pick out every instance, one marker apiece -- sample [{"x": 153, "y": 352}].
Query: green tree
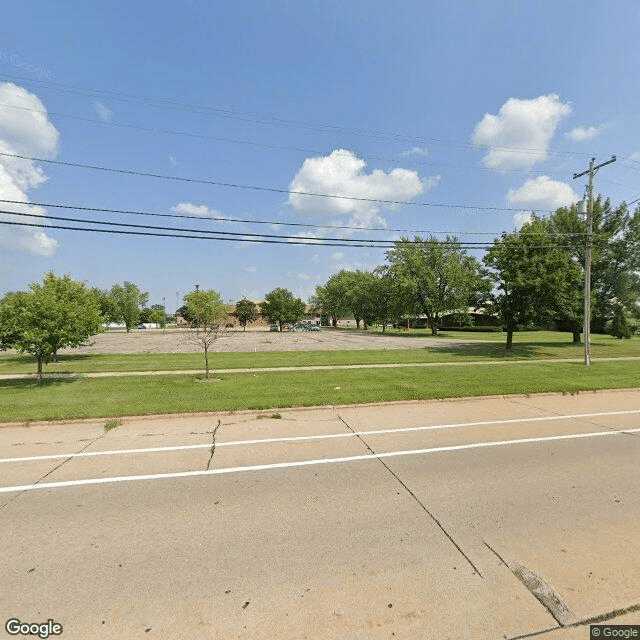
[
  {"x": 158, "y": 315},
  {"x": 127, "y": 301},
  {"x": 535, "y": 278},
  {"x": 246, "y": 312},
  {"x": 615, "y": 257},
  {"x": 281, "y": 306},
  {"x": 390, "y": 299},
  {"x": 208, "y": 311},
  {"x": 183, "y": 312},
  {"x": 144, "y": 315},
  {"x": 330, "y": 298},
  {"x": 619, "y": 324},
  {"x": 436, "y": 277},
  {"x": 361, "y": 295},
  {"x": 56, "y": 314}
]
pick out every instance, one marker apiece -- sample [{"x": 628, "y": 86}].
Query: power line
[
  {"x": 244, "y": 237},
  {"x": 253, "y": 143},
  {"x": 227, "y": 235},
  {"x": 267, "y": 189},
  {"x": 320, "y": 242},
  {"x": 269, "y": 222},
  {"x": 274, "y": 120}
]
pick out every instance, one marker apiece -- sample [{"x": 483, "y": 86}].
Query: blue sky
[{"x": 483, "y": 104}]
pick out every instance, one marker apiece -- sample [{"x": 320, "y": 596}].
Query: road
[{"x": 509, "y": 517}]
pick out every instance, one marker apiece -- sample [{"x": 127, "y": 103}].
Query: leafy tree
[
  {"x": 105, "y": 302},
  {"x": 158, "y": 315},
  {"x": 619, "y": 325},
  {"x": 246, "y": 312},
  {"x": 361, "y": 295},
  {"x": 183, "y": 312},
  {"x": 127, "y": 302},
  {"x": 437, "y": 277},
  {"x": 390, "y": 300},
  {"x": 534, "y": 276},
  {"x": 330, "y": 299},
  {"x": 208, "y": 311},
  {"x": 144, "y": 315},
  {"x": 615, "y": 258},
  {"x": 281, "y": 306},
  {"x": 56, "y": 314}
]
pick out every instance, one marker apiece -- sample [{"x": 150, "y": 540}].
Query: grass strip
[
  {"x": 59, "y": 399},
  {"x": 528, "y": 345}
]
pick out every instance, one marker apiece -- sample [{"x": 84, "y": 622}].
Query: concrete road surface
[{"x": 512, "y": 517}]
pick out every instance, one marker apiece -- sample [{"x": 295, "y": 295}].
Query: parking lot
[{"x": 173, "y": 341}]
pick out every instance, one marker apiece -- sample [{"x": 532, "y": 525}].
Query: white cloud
[
  {"x": 577, "y": 134},
  {"x": 542, "y": 193},
  {"x": 526, "y": 127},
  {"x": 337, "y": 256},
  {"x": 342, "y": 173},
  {"x": 250, "y": 269},
  {"x": 635, "y": 156},
  {"x": 520, "y": 219},
  {"x": 103, "y": 112},
  {"x": 173, "y": 161},
  {"x": 415, "y": 151},
  {"x": 26, "y": 131},
  {"x": 200, "y": 210}
]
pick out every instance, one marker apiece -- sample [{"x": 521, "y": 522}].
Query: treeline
[{"x": 533, "y": 276}]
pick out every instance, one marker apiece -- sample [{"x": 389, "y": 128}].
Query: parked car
[
  {"x": 314, "y": 327},
  {"x": 140, "y": 326},
  {"x": 274, "y": 327}
]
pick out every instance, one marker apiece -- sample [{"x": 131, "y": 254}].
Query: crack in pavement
[
  {"x": 603, "y": 617},
  {"x": 102, "y": 435},
  {"x": 213, "y": 444},
  {"x": 545, "y": 595},
  {"x": 539, "y": 589},
  {"x": 413, "y": 495}
]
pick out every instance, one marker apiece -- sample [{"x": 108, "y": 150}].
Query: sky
[{"x": 428, "y": 117}]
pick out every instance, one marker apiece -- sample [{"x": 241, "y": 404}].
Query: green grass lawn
[
  {"x": 59, "y": 399},
  {"x": 485, "y": 346},
  {"x": 79, "y": 397}
]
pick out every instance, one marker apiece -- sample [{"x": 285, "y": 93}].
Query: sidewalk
[{"x": 108, "y": 374}]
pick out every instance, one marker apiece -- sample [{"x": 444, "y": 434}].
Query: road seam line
[
  {"x": 305, "y": 463},
  {"x": 327, "y": 436},
  {"x": 413, "y": 495}
]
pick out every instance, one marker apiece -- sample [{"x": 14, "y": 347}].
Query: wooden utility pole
[{"x": 587, "y": 256}]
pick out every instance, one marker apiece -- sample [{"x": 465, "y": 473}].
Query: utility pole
[{"x": 587, "y": 256}]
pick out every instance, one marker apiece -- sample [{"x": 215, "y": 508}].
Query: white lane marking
[
  {"x": 306, "y": 463},
  {"x": 328, "y": 436}
]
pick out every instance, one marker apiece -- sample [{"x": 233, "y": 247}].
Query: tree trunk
[
  {"x": 509, "y": 340},
  {"x": 206, "y": 361},
  {"x": 434, "y": 329},
  {"x": 576, "y": 337},
  {"x": 40, "y": 359}
]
